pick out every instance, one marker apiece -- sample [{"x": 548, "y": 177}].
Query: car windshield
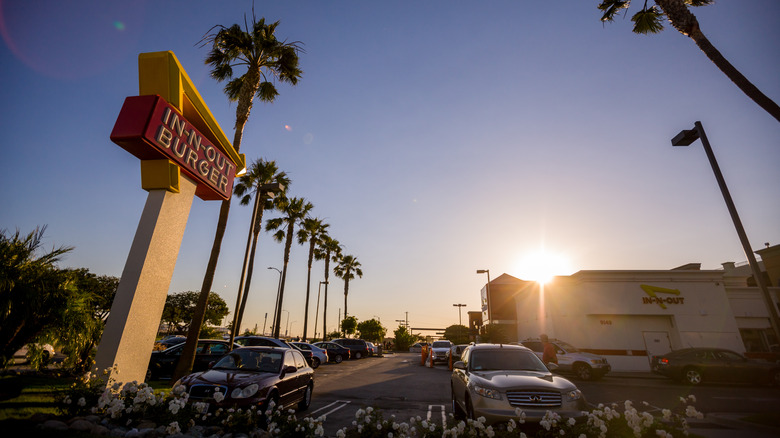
[
  {"x": 510, "y": 360},
  {"x": 251, "y": 360},
  {"x": 568, "y": 347},
  {"x": 441, "y": 344}
]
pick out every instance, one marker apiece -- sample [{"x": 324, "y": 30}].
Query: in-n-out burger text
[
  {"x": 191, "y": 151},
  {"x": 663, "y": 300},
  {"x": 152, "y": 129}
]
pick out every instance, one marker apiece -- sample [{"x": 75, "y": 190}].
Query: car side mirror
[
  {"x": 289, "y": 369},
  {"x": 552, "y": 366},
  {"x": 211, "y": 364},
  {"x": 459, "y": 365}
]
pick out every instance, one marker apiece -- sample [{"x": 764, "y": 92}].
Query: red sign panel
[{"x": 151, "y": 129}]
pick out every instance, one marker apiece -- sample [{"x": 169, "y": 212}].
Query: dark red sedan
[
  {"x": 254, "y": 376},
  {"x": 696, "y": 365}
]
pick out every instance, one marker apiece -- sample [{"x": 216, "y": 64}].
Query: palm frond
[
  {"x": 697, "y": 3},
  {"x": 648, "y": 21},
  {"x": 612, "y": 7}
]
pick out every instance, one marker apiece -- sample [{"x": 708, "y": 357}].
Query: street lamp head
[
  {"x": 685, "y": 137},
  {"x": 482, "y": 271}
]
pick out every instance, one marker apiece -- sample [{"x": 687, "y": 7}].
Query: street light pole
[
  {"x": 460, "y": 318},
  {"x": 278, "y": 288},
  {"x": 685, "y": 138},
  {"x": 489, "y": 312}
]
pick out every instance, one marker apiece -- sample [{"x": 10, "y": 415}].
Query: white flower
[
  {"x": 692, "y": 398},
  {"x": 173, "y": 428},
  {"x": 571, "y": 421},
  {"x": 218, "y": 397}
]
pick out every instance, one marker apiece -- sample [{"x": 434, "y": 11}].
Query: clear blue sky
[{"x": 436, "y": 138}]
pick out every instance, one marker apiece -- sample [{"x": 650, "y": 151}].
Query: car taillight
[{"x": 663, "y": 361}]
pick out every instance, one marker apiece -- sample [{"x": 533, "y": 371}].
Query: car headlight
[
  {"x": 573, "y": 395},
  {"x": 487, "y": 392},
  {"x": 246, "y": 392}
]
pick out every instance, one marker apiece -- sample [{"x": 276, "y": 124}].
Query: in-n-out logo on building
[{"x": 662, "y": 301}]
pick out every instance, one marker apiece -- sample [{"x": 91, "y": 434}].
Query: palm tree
[
  {"x": 650, "y": 20},
  {"x": 294, "y": 210},
  {"x": 348, "y": 266},
  {"x": 329, "y": 249},
  {"x": 267, "y": 60},
  {"x": 312, "y": 230},
  {"x": 254, "y": 183}
]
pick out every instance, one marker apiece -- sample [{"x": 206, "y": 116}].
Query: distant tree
[
  {"x": 650, "y": 20},
  {"x": 328, "y": 250},
  {"x": 403, "y": 339},
  {"x": 267, "y": 60},
  {"x": 349, "y": 325},
  {"x": 294, "y": 211},
  {"x": 334, "y": 335},
  {"x": 372, "y": 331},
  {"x": 347, "y": 268},
  {"x": 33, "y": 291},
  {"x": 494, "y": 334},
  {"x": 458, "y": 334},
  {"x": 180, "y": 307}
]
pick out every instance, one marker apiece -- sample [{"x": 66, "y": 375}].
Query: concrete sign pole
[{"x": 142, "y": 290}]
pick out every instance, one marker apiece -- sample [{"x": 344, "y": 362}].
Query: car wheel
[
  {"x": 315, "y": 363},
  {"x": 149, "y": 374},
  {"x": 358, "y": 355},
  {"x": 306, "y": 402},
  {"x": 457, "y": 411},
  {"x": 583, "y": 371},
  {"x": 692, "y": 376},
  {"x": 338, "y": 358},
  {"x": 469, "y": 409},
  {"x": 273, "y": 398}
]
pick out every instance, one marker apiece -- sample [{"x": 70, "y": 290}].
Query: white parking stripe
[
  {"x": 340, "y": 403},
  {"x": 443, "y": 414}
]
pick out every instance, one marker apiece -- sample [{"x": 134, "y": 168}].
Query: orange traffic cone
[{"x": 423, "y": 355}]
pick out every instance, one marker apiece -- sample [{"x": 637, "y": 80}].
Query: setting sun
[{"x": 542, "y": 266}]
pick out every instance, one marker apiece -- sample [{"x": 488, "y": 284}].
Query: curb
[{"x": 733, "y": 421}]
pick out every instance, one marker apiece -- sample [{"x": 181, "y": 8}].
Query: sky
[{"x": 436, "y": 138}]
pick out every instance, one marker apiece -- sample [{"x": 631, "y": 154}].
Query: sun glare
[{"x": 542, "y": 266}]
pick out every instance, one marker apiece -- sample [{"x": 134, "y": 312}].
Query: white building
[{"x": 628, "y": 316}]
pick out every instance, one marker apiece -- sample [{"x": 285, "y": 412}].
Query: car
[
  {"x": 696, "y": 365},
  {"x": 457, "y": 350},
  {"x": 373, "y": 350},
  {"x": 254, "y": 376},
  {"x": 336, "y": 353},
  {"x": 162, "y": 364},
  {"x": 261, "y": 341},
  {"x": 417, "y": 348},
  {"x": 169, "y": 341},
  {"x": 358, "y": 348},
  {"x": 318, "y": 355},
  {"x": 22, "y": 355},
  {"x": 441, "y": 350},
  {"x": 495, "y": 380},
  {"x": 586, "y": 366}
]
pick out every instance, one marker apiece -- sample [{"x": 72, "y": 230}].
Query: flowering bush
[{"x": 132, "y": 404}]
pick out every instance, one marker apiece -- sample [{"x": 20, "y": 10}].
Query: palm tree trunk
[
  {"x": 251, "y": 267},
  {"x": 308, "y": 286},
  {"x": 686, "y": 23},
  {"x": 346, "y": 291},
  {"x": 325, "y": 302},
  {"x": 287, "y": 246}
]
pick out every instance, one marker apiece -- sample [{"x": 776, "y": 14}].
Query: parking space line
[
  {"x": 340, "y": 403},
  {"x": 443, "y": 414}
]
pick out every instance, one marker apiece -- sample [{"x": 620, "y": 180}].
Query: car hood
[
  {"x": 587, "y": 355},
  {"x": 229, "y": 378},
  {"x": 525, "y": 379}
]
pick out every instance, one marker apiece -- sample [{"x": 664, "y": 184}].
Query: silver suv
[
  {"x": 586, "y": 366},
  {"x": 441, "y": 350}
]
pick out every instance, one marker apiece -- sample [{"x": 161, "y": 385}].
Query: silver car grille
[
  {"x": 533, "y": 399},
  {"x": 206, "y": 391}
]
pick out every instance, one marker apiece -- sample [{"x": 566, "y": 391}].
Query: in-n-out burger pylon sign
[{"x": 183, "y": 153}]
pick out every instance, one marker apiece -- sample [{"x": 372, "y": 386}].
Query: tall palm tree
[
  {"x": 295, "y": 211},
  {"x": 251, "y": 184},
  {"x": 329, "y": 249},
  {"x": 267, "y": 60},
  {"x": 347, "y": 267},
  {"x": 650, "y": 20},
  {"x": 312, "y": 230}
]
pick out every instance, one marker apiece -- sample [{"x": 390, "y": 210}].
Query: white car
[
  {"x": 441, "y": 350},
  {"x": 21, "y": 355},
  {"x": 586, "y": 366}
]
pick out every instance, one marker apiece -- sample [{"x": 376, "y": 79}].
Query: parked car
[
  {"x": 318, "y": 355},
  {"x": 417, "y": 348},
  {"x": 255, "y": 376},
  {"x": 169, "y": 341},
  {"x": 163, "y": 363},
  {"x": 261, "y": 341},
  {"x": 336, "y": 352},
  {"x": 441, "y": 350},
  {"x": 358, "y": 348},
  {"x": 492, "y": 380},
  {"x": 373, "y": 350},
  {"x": 457, "y": 350},
  {"x": 696, "y": 365},
  {"x": 47, "y": 353},
  {"x": 586, "y": 366}
]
